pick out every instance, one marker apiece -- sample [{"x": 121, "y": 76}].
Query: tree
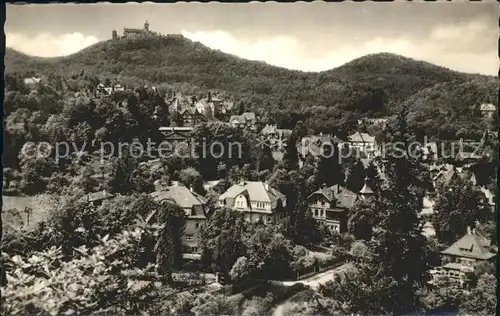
[
  {"x": 482, "y": 300},
  {"x": 168, "y": 246},
  {"x": 191, "y": 178},
  {"x": 328, "y": 167},
  {"x": 291, "y": 156},
  {"x": 222, "y": 239},
  {"x": 390, "y": 281},
  {"x": 363, "y": 218},
  {"x": 457, "y": 206},
  {"x": 355, "y": 176}
]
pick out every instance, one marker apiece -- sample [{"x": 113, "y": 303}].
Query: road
[
  {"x": 320, "y": 278},
  {"x": 314, "y": 282}
]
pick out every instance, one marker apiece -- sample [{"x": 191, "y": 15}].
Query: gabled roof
[
  {"x": 471, "y": 245},
  {"x": 127, "y": 30},
  {"x": 361, "y": 138},
  {"x": 180, "y": 195},
  {"x": 487, "y": 107},
  {"x": 256, "y": 191},
  {"x": 243, "y": 118},
  {"x": 98, "y": 196},
  {"x": 344, "y": 198}
]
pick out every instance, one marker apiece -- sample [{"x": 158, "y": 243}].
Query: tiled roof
[
  {"x": 255, "y": 190},
  {"x": 126, "y": 30},
  {"x": 344, "y": 197},
  {"x": 98, "y": 196},
  {"x": 180, "y": 195},
  {"x": 487, "y": 107},
  {"x": 243, "y": 118},
  {"x": 471, "y": 245},
  {"x": 361, "y": 138}
]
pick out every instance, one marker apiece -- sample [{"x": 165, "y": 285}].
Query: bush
[{"x": 95, "y": 280}]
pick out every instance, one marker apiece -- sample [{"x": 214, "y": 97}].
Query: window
[
  {"x": 189, "y": 237},
  {"x": 269, "y": 218},
  {"x": 321, "y": 213},
  {"x": 197, "y": 225},
  {"x": 316, "y": 213}
]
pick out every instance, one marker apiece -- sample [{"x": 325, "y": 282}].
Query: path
[{"x": 314, "y": 282}]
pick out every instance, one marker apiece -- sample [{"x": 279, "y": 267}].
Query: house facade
[
  {"x": 331, "y": 206},
  {"x": 460, "y": 260},
  {"x": 258, "y": 201},
  {"x": 487, "y": 110},
  {"x": 363, "y": 142},
  {"x": 245, "y": 120},
  {"x": 193, "y": 204},
  {"x": 191, "y": 116}
]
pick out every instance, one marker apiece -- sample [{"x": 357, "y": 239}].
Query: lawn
[{"x": 39, "y": 204}]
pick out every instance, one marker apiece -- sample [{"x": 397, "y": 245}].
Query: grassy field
[{"x": 39, "y": 204}]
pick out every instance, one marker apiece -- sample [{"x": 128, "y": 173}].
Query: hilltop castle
[
  {"x": 134, "y": 33},
  {"x": 137, "y": 33}
]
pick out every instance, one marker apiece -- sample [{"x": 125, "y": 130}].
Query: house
[
  {"x": 191, "y": 116},
  {"x": 193, "y": 204},
  {"x": 257, "y": 200},
  {"x": 320, "y": 145},
  {"x": 487, "y": 110},
  {"x": 31, "y": 81},
  {"x": 175, "y": 134},
  {"x": 461, "y": 258},
  {"x": 275, "y": 136},
  {"x": 245, "y": 120},
  {"x": 445, "y": 175},
  {"x": 382, "y": 122},
  {"x": 96, "y": 198},
  {"x": 331, "y": 205},
  {"x": 363, "y": 142},
  {"x": 106, "y": 89},
  {"x": 430, "y": 151}
]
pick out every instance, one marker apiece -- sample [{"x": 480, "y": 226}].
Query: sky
[{"x": 306, "y": 36}]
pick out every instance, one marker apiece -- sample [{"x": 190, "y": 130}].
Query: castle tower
[
  {"x": 114, "y": 34},
  {"x": 146, "y": 26}
]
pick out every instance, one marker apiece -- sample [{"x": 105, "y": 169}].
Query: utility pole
[{"x": 28, "y": 211}]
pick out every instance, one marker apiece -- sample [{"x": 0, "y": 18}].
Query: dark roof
[
  {"x": 471, "y": 245},
  {"x": 343, "y": 197},
  {"x": 181, "y": 196},
  {"x": 99, "y": 196}
]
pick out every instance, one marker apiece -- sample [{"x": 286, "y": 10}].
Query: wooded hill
[{"x": 373, "y": 85}]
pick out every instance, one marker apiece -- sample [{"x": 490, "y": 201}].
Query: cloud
[
  {"x": 46, "y": 45},
  {"x": 445, "y": 46}
]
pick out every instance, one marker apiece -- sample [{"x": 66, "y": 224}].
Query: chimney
[
  {"x": 209, "y": 97},
  {"x": 104, "y": 192},
  {"x": 469, "y": 232},
  {"x": 473, "y": 231},
  {"x": 266, "y": 186},
  {"x": 191, "y": 189}
]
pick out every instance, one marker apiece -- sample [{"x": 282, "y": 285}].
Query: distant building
[
  {"x": 445, "y": 175},
  {"x": 191, "y": 116},
  {"x": 194, "y": 205},
  {"x": 105, "y": 90},
  {"x": 258, "y": 201},
  {"x": 331, "y": 205},
  {"x": 363, "y": 142},
  {"x": 320, "y": 145},
  {"x": 275, "y": 135},
  {"x": 461, "y": 258},
  {"x": 96, "y": 198},
  {"x": 487, "y": 109},
  {"x": 31, "y": 81},
  {"x": 175, "y": 134},
  {"x": 245, "y": 120}
]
